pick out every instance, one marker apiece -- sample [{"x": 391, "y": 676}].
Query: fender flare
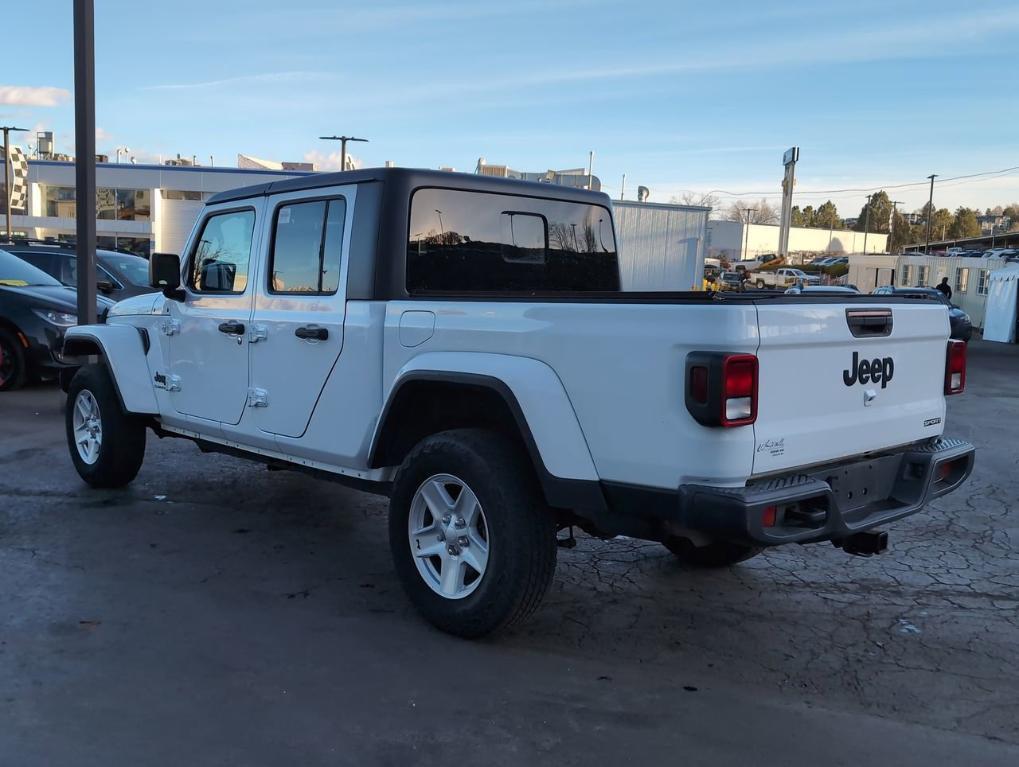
[
  {"x": 540, "y": 405},
  {"x": 123, "y": 349}
]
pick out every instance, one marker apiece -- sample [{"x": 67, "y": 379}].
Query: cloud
[
  {"x": 28, "y": 96},
  {"x": 103, "y": 135},
  {"x": 938, "y": 36},
  {"x": 267, "y": 78},
  {"x": 330, "y": 161}
]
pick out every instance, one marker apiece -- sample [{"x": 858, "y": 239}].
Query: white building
[
  {"x": 969, "y": 277},
  {"x": 152, "y": 208},
  {"x": 140, "y": 208},
  {"x": 737, "y": 241}
]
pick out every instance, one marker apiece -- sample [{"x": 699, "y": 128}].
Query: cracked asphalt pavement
[{"x": 216, "y": 613}]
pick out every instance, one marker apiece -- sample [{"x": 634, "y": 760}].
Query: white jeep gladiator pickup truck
[{"x": 461, "y": 344}]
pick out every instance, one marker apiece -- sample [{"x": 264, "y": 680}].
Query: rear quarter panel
[{"x": 622, "y": 367}]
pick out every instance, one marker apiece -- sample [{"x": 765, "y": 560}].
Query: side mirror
[
  {"x": 164, "y": 274},
  {"x": 105, "y": 286}
]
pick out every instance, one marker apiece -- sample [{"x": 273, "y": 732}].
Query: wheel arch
[
  {"x": 523, "y": 399},
  {"x": 122, "y": 349}
]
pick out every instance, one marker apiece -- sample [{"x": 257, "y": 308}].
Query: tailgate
[{"x": 818, "y": 399}]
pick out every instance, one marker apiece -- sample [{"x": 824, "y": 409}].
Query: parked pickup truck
[
  {"x": 460, "y": 343},
  {"x": 783, "y": 278}
]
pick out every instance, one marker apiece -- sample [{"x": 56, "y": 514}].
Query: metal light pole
[
  {"x": 7, "y": 173},
  {"x": 930, "y": 213},
  {"x": 85, "y": 157},
  {"x": 441, "y": 228},
  {"x": 343, "y": 146},
  {"x": 590, "y": 170},
  {"x": 121, "y": 150}
]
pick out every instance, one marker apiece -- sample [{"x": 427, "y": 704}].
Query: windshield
[
  {"x": 134, "y": 269},
  {"x": 15, "y": 273}
]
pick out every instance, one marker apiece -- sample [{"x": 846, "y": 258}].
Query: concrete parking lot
[{"x": 216, "y": 613}]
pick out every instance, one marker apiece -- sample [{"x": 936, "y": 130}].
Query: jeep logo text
[{"x": 878, "y": 370}]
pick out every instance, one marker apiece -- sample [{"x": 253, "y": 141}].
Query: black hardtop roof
[{"x": 411, "y": 178}]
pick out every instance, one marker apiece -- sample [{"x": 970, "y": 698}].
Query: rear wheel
[
  {"x": 715, "y": 554},
  {"x": 13, "y": 365},
  {"x": 472, "y": 541},
  {"x": 107, "y": 445}
]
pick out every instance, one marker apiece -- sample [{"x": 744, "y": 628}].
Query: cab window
[
  {"x": 219, "y": 262},
  {"x": 307, "y": 241}
]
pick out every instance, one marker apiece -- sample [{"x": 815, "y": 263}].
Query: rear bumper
[{"x": 830, "y": 502}]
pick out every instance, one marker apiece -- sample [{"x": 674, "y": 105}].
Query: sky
[{"x": 678, "y": 96}]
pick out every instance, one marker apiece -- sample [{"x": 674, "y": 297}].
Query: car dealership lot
[{"x": 218, "y": 613}]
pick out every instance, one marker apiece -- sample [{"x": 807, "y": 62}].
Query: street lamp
[
  {"x": 7, "y": 173},
  {"x": 343, "y": 146},
  {"x": 121, "y": 150},
  {"x": 442, "y": 230}
]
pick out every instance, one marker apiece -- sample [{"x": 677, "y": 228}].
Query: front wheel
[
  {"x": 107, "y": 445},
  {"x": 715, "y": 554},
  {"x": 472, "y": 540},
  {"x": 760, "y": 284},
  {"x": 13, "y": 367}
]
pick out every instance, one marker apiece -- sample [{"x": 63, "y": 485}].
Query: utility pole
[
  {"x": 866, "y": 223},
  {"x": 891, "y": 224},
  {"x": 343, "y": 146},
  {"x": 930, "y": 213},
  {"x": 590, "y": 171},
  {"x": 748, "y": 211},
  {"x": 7, "y": 173},
  {"x": 85, "y": 157},
  {"x": 622, "y": 188}
]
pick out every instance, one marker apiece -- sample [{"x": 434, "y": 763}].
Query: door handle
[
  {"x": 232, "y": 328},
  {"x": 312, "y": 333}
]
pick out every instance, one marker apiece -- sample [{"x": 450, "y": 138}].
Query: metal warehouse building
[{"x": 661, "y": 247}]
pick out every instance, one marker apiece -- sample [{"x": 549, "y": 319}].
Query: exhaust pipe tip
[{"x": 865, "y": 544}]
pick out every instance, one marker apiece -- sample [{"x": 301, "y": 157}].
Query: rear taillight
[
  {"x": 955, "y": 367},
  {"x": 721, "y": 389},
  {"x": 739, "y": 387}
]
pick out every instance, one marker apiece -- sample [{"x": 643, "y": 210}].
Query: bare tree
[
  {"x": 761, "y": 212},
  {"x": 706, "y": 200}
]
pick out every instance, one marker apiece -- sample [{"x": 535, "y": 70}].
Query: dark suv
[
  {"x": 962, "y": 327},
  {"x": 35, "y": 310},
  {"x": 118, "y": 275}
]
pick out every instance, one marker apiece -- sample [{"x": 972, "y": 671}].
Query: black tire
[
  {"x": 715, "y": 554},
  {"x": 522, "y": 531},
  {"x": 122, "y": 448},
  {"x": 760, "y": 284},
  {"x": 13, "y": 365}
]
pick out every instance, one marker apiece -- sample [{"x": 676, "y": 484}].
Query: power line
[{"x": 858, "y": 190}]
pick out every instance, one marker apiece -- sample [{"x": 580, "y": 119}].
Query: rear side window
[
  {"x": 476, "y": 242},
  {"x": 306, "y": 245},
  {"x": 220, "y": 260}
]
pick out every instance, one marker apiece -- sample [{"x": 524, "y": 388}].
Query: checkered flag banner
[{"x": 19, "y": 175}]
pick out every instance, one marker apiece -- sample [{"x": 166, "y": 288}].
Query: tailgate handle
[{"x": 869, "y": 323}]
